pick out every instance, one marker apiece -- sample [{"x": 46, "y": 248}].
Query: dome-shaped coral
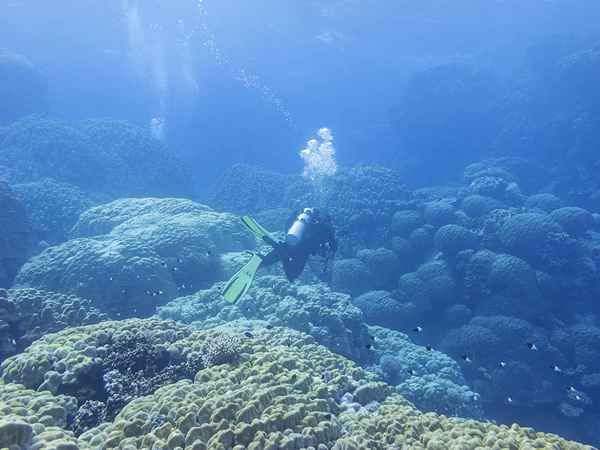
[
  {"x": 544, "y": 202},
  {"x": 525, "y": 234},
  {"x": 383, "y": 264},
  {"x": 513, "y": 277},
  {"x": 403, "y": 222},
  {"x": 451, "y": 239},
  {"x": 575, "y": 221},
  {"x": 351, "y": 276},
  {"x": 439, "y": 213},
  {"x": 478, "y": 205},
  {"x": 380, "y": 308}
]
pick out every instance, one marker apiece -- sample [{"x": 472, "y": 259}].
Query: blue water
[{"x": 464, "y": 186}]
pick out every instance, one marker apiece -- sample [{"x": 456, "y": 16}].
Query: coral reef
[
  {"x": 451, "y": 239},
  {"x": 16, "y": 239},
  {"x": 283, "y": 392},
  {"x": 118, "y": 362},
  {"x": 328, "y": 316},
  {"x": 383, "y": 264},
  {"x": 153, "y": 251},
  {"x": 28, "y": 314},
  {"x": 102, "y": 157},
  {"x": 361, "y": 201},
  {"x": 351, "y": 276},
  {"x": 380, "y": 308},
  {"x": 135, "y": 163},
  {"x": 53, "y": 207},
  {"x": 544, "y": 201},
  {"x": 431, "y": 380},
  {"x": 30, "y": 419},
  {"x": 249, "y": 190},
  {"x": 104, "y": 218}
]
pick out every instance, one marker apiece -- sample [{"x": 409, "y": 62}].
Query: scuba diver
[{"x": 310, "y": 232}]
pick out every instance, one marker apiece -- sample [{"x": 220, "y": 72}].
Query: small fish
[
  {"x": 179, "y": 260},
  {"x": 412, "y": 372},
  {"x": 269, "y": 327},
  {"x": 160, "y": 292},
  {"x": 248, "y": 334},
  {"x": 578, "y": 397},
  {"x": 572, "y": 389},
  {"x": 417, "y": 329},
  {"x": 208, "y": 253},
  {"x": 368, "y": 346},
  {"x": 174, "y": 269},
  {"x": 164, "y": 264},
  {"x": 428, "y": 348},
  {"x": 555, "y": 368},
  {"x": 531, "y": 346},
  {"x": 466, "y": 358},
  {"x": 111, "y": 278},
  {"x": 372, "y": 338},
  {"x": 13, "y": 342},
  {"x": 509, "y": 399},
  {"x": 502, "y": 364}
]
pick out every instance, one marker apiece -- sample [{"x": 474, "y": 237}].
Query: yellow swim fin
[
  {"x": 239, "y": 284},
  {"x": 259, "y": 231}
]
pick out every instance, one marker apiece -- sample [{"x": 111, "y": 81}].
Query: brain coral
[
  {"x": 146, "y": 258},
  {"x": 284, "y": 392}
]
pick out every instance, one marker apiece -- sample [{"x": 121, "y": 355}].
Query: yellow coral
[{"x": 281, "y": 393}]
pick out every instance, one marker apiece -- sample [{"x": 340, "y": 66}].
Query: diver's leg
[
  {"x": 270, "y": 258},
  {"x": 293, "y": 265}
]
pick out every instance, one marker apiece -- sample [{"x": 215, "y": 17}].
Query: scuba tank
[{"x": 298, "y": 230}]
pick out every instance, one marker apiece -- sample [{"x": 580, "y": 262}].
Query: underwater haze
[{"x": 299, "y": 224}]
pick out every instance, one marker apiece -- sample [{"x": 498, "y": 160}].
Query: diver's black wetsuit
[{"x": 319, "y": 240}]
